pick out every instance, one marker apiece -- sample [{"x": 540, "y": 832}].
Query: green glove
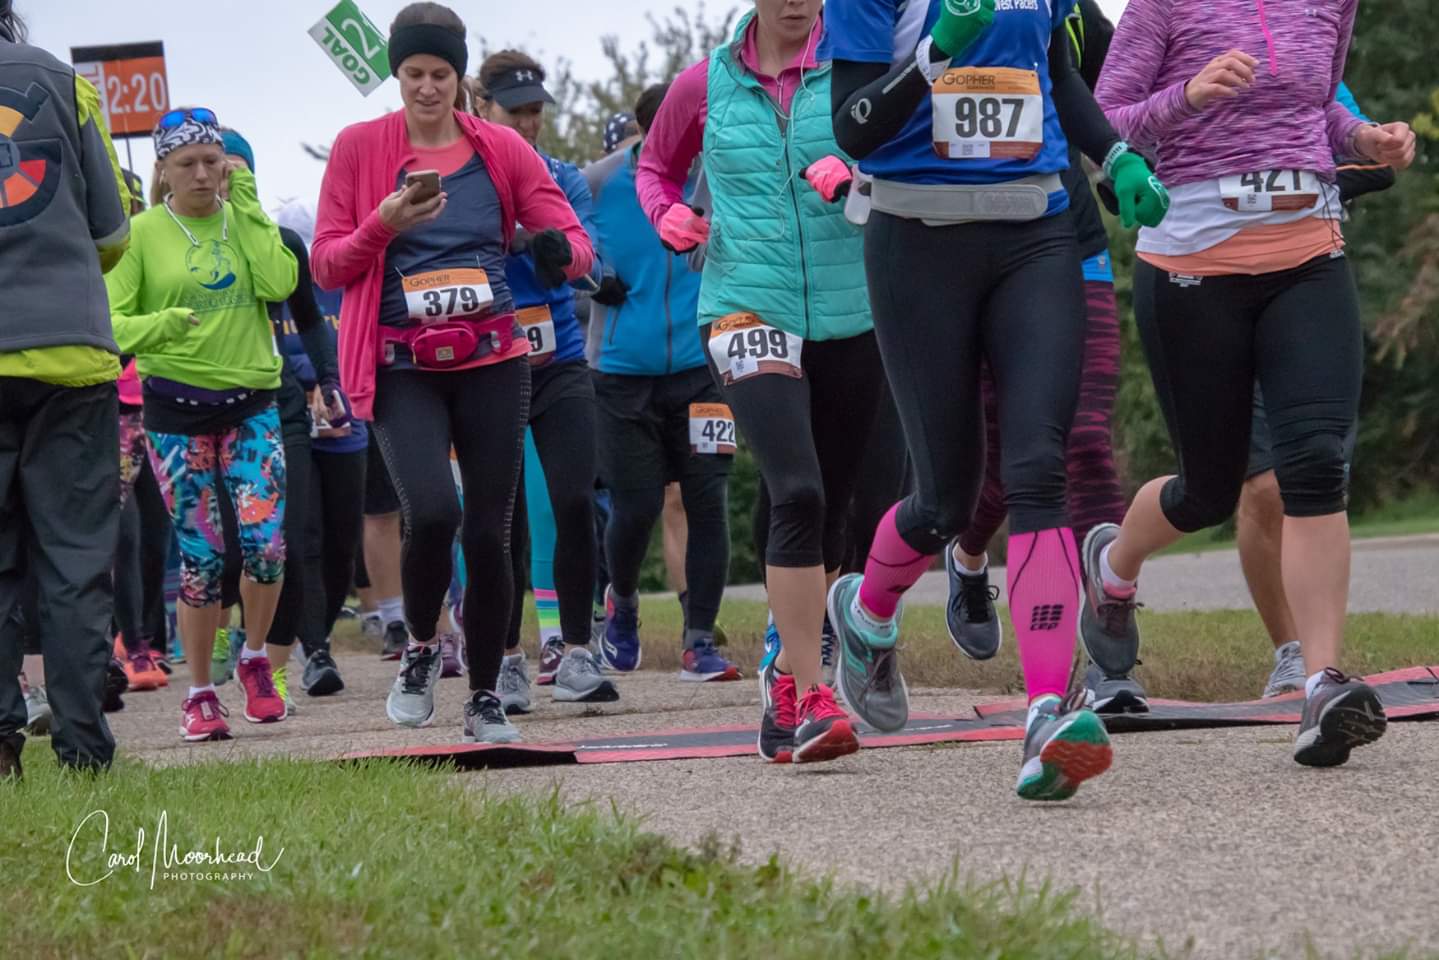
[
  {"x": 960, "y": 22},
  {"x": 1142, "y": 198}
]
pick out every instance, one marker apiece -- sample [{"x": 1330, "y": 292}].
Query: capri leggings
[
  {"x": 249, "y": 460},
  {"x": 482, "y": 414},
  {"x": 1207, "y": 340},
  {"x": 1095, "y": 493},
  {"x": 809, "y": 437}
]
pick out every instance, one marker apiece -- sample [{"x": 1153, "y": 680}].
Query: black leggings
[
  {"x": 944, "y": 298},
  {"x": 1207, "y": 340},
  {"x": 884, "y": 478},
  {"x": 337, "y": 497},
  {"x": 140, "y": 564},
  {"x": 482, "y": 412},
  {"x": 632, "y": 522},
  {"x": 302, "y": 574},
  {"x": 808, "y": 436}
]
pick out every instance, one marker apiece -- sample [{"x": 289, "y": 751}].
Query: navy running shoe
[{"x": 620, "y": 648}]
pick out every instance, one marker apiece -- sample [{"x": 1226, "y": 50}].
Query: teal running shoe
[{"x": 867, "y": 674}]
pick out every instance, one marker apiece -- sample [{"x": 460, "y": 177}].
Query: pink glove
[
  {"x": 683, "y": 228},
  {"x": 830, "y": 177}
]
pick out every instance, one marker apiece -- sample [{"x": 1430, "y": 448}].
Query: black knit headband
[{"x": 437, "y": 41}]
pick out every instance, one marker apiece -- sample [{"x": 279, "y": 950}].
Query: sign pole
[{"x": 129, "y": 158}]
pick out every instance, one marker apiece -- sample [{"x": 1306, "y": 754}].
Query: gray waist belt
[{"x": 942, "y": 204}]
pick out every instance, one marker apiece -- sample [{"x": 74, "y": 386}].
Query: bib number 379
[
  {"x": 983, "y": 113},
  {"x": 743, "y": 346},
  {"x": 447, "y": 294}
]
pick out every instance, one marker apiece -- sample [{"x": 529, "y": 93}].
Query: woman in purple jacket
[{"x": 1246, "y": 279}]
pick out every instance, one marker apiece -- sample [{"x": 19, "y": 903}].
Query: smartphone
[{"x": 429, "y": 181}]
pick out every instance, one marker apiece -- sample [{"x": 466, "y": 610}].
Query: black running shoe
[
  {"x": 115, "y": 684},
  {"x": 321, "y": 677},
  {"x": 970, "y": 615},
  {"x": 1341, "y": 714}
]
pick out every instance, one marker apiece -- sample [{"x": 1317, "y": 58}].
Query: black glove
[
  {"x": 551, "y": 252},
  {"x": 613, "y": 292}
]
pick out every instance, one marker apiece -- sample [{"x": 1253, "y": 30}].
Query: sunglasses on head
[{"x": 175, "y": 118}]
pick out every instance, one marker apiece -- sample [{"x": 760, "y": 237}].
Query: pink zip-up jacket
[
  {"x": 350, "y": 239},
  {"x": 1288, "y": 119}
]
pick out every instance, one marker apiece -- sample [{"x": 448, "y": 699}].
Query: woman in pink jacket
[{"x": 429, "y": 347}]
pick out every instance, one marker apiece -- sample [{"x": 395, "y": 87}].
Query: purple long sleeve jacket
[{"x": 1288, "y": 119}]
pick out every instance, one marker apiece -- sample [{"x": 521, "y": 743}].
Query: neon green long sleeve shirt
[{"x": 238, "y": 262}]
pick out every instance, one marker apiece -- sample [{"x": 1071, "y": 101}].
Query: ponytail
[{"x": 12, "y": 28}]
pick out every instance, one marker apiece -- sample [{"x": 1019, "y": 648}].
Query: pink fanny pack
[{"x": 452, "y": 343}]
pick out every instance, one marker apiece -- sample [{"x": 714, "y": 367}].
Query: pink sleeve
[
  {"x": 347, "y": 242},
  {"x": 1140, "y": 114},
  {"x": 1341, "y": 124},
  {"x": 542, "y": 205},
  {"x": 675, "y": 139}
]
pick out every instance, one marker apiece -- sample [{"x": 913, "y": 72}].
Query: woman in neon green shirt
[{"x": 187, "y": 300}]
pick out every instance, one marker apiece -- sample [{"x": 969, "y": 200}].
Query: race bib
[
  {"x": 446, "y": 294},
  {"x": 982, "y": 113},
  {"x": 539, "y": 327},
  {"x": 711, "y": 428},
  {"x": 1270, "y": 190},
  {"x": 743, "y": 346}
]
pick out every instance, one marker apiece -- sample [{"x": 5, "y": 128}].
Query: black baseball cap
[{"x": 515, "y": 88}]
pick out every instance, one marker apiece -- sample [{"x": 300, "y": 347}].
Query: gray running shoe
[
  {"x": 372, "y": 629},
  {"x": 1288, "y": 674},
  {"x": 397, "y": 638},
  {"x": 828, "y": 652},
  {"x": 1343, "y": 713},
  {"x": 970, "y": 615},
  {"x": 514, "y": 684},
  {"x": 485, "y": 720},
  {"x": 1065, "y": 744},
  {"x": 579, "y": 680},
  {"x": 411, "y": 702},
  {"x": 868, "y": 673},
  {"x": 1106, "y": 624},
  {"x": 37, "y": 712},
  {"x": 1106, "y": 694}
]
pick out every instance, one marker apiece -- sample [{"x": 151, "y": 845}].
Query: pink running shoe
[
  {"x": 202, "y": 717},
  {"x": 263, "y": 703}
]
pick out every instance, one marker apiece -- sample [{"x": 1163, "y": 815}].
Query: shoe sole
[
  {"x": 328, "y": 684},
  {"x": 604, "y": 693},
  {"x": 143, "y": 684},
  {"x": 724, "y": 676},
  {"x": 516, "y": 709},
  {"x": 1078, "y": 751},
  {"x": 781, "y": 756},
  {"x": 1354, "y": 719},
  {"x": 1123, "y": 703},
  {"x": 252, "y": 719},
  {"x": 390, "y": 657},
  {"x": 216, "y": 735},
  {"x": 471, "y": 738},
  {"x": 839, "y": 674},
  {"x": 1113, "y": 669},
  {"x": 838, "y": 741}
]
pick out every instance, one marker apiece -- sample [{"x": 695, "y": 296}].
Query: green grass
[
  {"x": 1219, "y": 656},
  {"x": 385, "y": 859}
]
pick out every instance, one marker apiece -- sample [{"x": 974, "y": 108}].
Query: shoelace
[
  {"x": 210, "y": 700},
  {"x": 141, "y": 662},
  {"x": 511, "y": 677},
  {"x": 414, "y": 675},
  {"x": 976, "y": 594},
  {"x": 264, "y": 684},
  {"x": 1334, "y": 675},
  {"x": 786, "y": 706},
  {"x": 489, "y": 710},
  {"x": 818, "y": 704},
  {"x": 1112, "y": 610},
  {"x": 882, "y": 677}
]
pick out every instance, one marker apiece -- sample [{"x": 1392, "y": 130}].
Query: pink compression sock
[
  {"x": 892, "y": 568},
  {"x": 1043, "y": 579}
]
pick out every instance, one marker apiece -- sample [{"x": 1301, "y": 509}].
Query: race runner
[
  {"x": 510, "y": 93},
  {"x": 963, "y": 116},
  {"x": 430, "y": 347},
  {"x": 188, "y": 301},
  {"x": 1247, "y": 278},
  {"x": 784, "y": 318},
  {"x": 655, "y": 393}
]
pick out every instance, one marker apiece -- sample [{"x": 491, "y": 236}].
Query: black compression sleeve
[
  {"x": 1357, "y": 181},
  {"x": 1085, "y": 125},
  {"x": 308, "y": 321},
  {"x": 872, "y": 103}
]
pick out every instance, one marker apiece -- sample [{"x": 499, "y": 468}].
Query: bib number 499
[{"x": 743, "y": 346}]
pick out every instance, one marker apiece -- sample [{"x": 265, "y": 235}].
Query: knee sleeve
[
  {"x": 1313, "y": 474},
  {"x": 796, "y": 525},
  {"x": 1189, "y": 510}
]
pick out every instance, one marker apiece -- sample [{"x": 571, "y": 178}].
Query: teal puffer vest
[{"x": 776, "y": 249}]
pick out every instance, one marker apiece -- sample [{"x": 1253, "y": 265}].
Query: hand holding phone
[{"x": 418, "y": 202}]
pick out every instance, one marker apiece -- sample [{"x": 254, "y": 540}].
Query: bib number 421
[{"x": 1270, "y": 190}]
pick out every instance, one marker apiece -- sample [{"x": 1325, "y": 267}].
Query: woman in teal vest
[{"x": 785, "y": 315}]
